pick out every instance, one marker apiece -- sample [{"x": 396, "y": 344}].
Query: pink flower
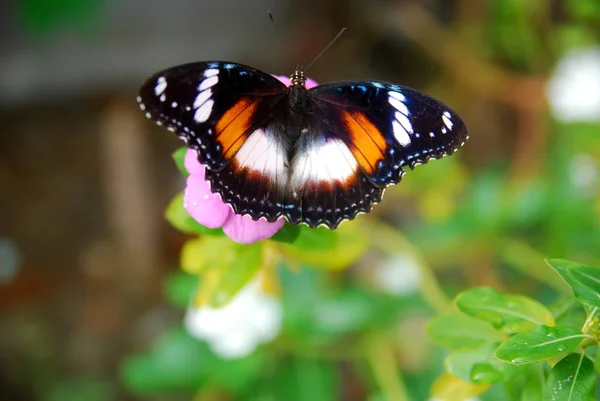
[{"x": 209, "y": 210}]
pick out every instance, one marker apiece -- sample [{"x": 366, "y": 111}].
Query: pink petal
[
  {"x": 244, "y": 230},
  {"x": 205, "y": 207},
  {"x": 192, "y": 165},
  {"x": 310, "y": 83},
  {"x": 286, "y": 81}
]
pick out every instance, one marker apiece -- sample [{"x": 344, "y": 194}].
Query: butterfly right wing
[{"x": 212, "y": 106}]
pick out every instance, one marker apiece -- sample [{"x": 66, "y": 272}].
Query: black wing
[
  {"x": 387, "y": 126},
  {"x": 212, "y": 106}
]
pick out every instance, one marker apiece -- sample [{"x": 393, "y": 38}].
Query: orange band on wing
[
  {"x": 368, "y": 144},
  {"x": 235, "y": 122}
]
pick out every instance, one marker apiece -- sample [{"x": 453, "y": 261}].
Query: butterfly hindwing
[
  {"x": 212, "y": 106},
  {"x": 318, "y": 156},
  {"x": 387, "y": 126}
]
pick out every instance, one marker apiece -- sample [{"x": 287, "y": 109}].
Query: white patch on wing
[
  {"x": 398, "y": 105},
  {"x": 327, "y": 160},
  {"x": 400, "y": 134},
  {"x": 204, "y": 111},
  {"x": 202, "y": 97},
  {"x": 210, "y": 72},
  {"x": 263, "y": 153},
  {"x": 447, "y": 121},
  {"x": 208, "y": 82},
  {"x": 161, "y": 85},
  {"x": 397, "y": 95},
  {"x": 402, "y": 119}
]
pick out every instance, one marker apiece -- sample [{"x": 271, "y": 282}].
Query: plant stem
[
  {"x": 590, "y": 327},
  {"x": 380, "y": 357}
]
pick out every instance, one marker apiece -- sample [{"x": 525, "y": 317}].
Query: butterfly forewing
[
  {"x": 212, "y": 106},
  {"x": 387, "y": 126},
  {"x": 317, "y": 157}
]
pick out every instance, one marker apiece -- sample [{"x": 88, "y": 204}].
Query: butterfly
[{"x": 316, "y": 156}]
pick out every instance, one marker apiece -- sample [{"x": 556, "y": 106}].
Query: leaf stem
[
  {"x": 590, "y": 327},
  {"x": 380, "y": 357}
]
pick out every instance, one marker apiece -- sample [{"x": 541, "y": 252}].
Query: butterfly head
[{"x": 298, "y": 78}]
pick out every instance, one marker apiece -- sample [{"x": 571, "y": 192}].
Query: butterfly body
[{"x": 317, "y": 156}]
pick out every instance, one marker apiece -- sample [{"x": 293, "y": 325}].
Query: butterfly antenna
[
  {"x": 326, "y": 48},
  {"x": 278, "y": 32}
]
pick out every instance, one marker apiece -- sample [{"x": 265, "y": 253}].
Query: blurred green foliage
[{"x": 533, "y": 337}]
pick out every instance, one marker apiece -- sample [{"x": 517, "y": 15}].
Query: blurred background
[{"x": 89, "y": 265}]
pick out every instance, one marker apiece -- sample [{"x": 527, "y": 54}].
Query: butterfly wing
[
  {"x": 212, "y": 106},
  {"x": 387, "y": 127}
]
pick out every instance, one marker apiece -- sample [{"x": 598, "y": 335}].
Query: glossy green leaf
[
  {"x": 181, "y": 219},
  {"x": 583, "y": 280},
  {"x": 479, "y": 366},
  {"x": 511, "y": 313},
  {"x": 539, "y": 344},
  {"x": 571, "y": 379},
  {"x": 460, "y": 332},
  {"x": 179, "y": 159}
]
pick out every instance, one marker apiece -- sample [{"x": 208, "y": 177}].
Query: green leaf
[
  {"x": 179, "y": 288},
  {"x": 221, "y": 283},
  {"x": 583, "y": 280},
  {"x": 199, "y": 254},
  {"x": 225, "y": 266},
  {"x": 539, "y": 344},
  {"x": 479, "y": 366},
  {"x": 330, "y": 249},
  {"x": 511, "y": 313},
  {"x": 177, "y": 362},
  {"x": 181, "y": 219},
  {"x": 179, "y": 159},
  {"x": 460, "y": 332},
  {"x": 316, "y": 238},
  {"x": 571, "y": 379},
  {"x": 305, "y": 379},
  {"x": 287, "y": 234},
  {"x": 42, "y": 17},
  {"x": 533, "y": 386}
]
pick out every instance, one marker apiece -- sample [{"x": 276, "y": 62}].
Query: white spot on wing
[
  {"x": 324, "y": 161},
  {"x": 204, "y": 111},
  {"x": 208, "y": 82},
  {"x": 161, "y": 85},
  {"x": 400, "y": 133},
  {"x": 397, "y": 95},
  {"x": 398, "y": 105},
  {"x": 402, "y": 119},
  {"x": 202, "y": 97},
  {"x": 210, "y": 72},
  {"x": 447, "y": 120}
]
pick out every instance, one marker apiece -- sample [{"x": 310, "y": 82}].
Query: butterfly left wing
[
  {"x": 387, "y": 127},
  {"x": 212, "y": 106}
]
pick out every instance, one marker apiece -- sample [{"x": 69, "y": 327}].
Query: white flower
[
  {"x": 399, "y": 275},
  {"x": 251, "y": 318},
  {"x": 574, "y": 90}
]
